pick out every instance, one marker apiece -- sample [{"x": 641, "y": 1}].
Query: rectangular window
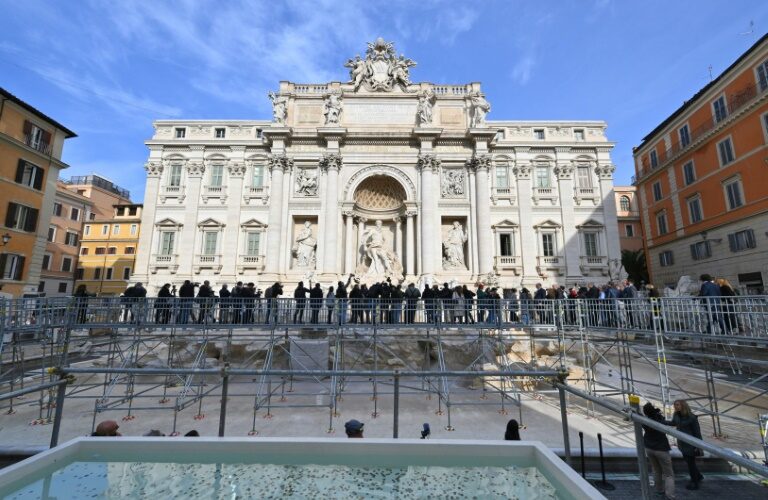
[
  {"x": 542, "y": 177},
  {"x": 84, "y": 251},
  {"x": 209, "y": 242},
  {"x": 629, "y": 230},
  {"x": 259, "y": 133},
  {"x": 74, "y": 213},
  {"x": 134, "y": 229},
  {"x": 181, "y": 133},
  {"x": 130, "y": 250},
  {"x": 21, "y": 217},
  {"x": 666, "y": 258},
  {"x": 11, "y": 266},
  {"x": 35, "y": 137},
  {"x": 87, "y": 230},
  {"x": 590, "y": 244},
  {"x": 505, "y": 244},
  {"x": 538, "y": 134},
  {"x": 221, "y": 133},
  {"x": 548, "y": 244},
  {"x": 70, "y": 239},
  {"x": 126, "y": 273},
  {"x": 57, "y": 209},
  {"x": 51, "y": 234},
  {"x": 97, "y": 273},
  {"x": 120, "y": 211},
  {"x": 685, "y": 136},
  {"x": 502, "y": 177},
  {"x": 258, "y": 176},
  {"x": 654, "y": 159},
  {"x": 109, "y": 273},
  {"x": 116, "y": 229},
  {"x": 174, "y": 175},
  {"x": 661, "y": 222},
  {"x": 719, "y": 109},
  {"x": 584, "y": 177},
  {"x": 701, "y": 250},
  {"x": 217, "y": 175},
  {"x": 742, "y": 240},
  {"x": 105, "y": 230},
  {"x": 733, "y": 194},
  {"x": 694, "y": 209},
  {"x": 762, "y": 76},
  {"x": 689, "y": 173},
  {"x": 133, "y": 211},
  {"x": 101, "y": 250},
  {"x": 79, "y": 273},
  {"x": 657, "y": 194},
  {"x": 29, "y": 175},
  {"x": 578, "y": 134},
  {"x": 66, "y": 264},
  {"x": 725, "y": 150},
  {"x": 112, "y": 251},
  {"x": 47, "y": 262},
  {"x": 62, "y": 287},
  {"x": 252, "y": 241},
  {"x": 166, "y": 242}
]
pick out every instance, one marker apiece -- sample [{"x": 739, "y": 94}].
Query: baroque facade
[{"x": 379, "y": 177}]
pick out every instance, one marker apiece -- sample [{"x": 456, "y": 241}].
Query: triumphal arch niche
[{"x": 382, "y": 177}]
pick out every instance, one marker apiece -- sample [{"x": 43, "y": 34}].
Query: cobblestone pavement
[{"x": 725, "y": 487}]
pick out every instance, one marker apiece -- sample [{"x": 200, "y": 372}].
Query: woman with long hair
[
  {"x": 513, "y": 431},
  {"x": 657, "y": 450},
  {"x": 726, "y": 304},
  {"x": 687, "y": 422}
]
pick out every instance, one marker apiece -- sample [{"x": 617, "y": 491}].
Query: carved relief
[
  {"x": 452, "y": 183},
  {"x": 306, "y": 182}
]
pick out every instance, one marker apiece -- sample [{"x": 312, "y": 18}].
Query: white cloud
[{"x": 523, "y": 69}]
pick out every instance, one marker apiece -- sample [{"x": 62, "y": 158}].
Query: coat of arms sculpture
[{"x": 381, "y": 69}]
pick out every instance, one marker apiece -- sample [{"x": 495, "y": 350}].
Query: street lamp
[{"x": 6, "y": 239}]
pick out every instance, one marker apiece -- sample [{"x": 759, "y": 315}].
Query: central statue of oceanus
[
  {"x": 378, "y": 263},
  {"x": 381, "y": 69}
]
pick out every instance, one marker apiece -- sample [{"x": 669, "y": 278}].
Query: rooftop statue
[{"x": 381, "y": 69}]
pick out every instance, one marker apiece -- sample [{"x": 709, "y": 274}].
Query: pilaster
[{"x": 188, "y": 241}]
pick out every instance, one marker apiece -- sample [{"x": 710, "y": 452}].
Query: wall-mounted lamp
[{"x": 6, "y": 239}]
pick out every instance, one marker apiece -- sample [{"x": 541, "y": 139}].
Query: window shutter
[
  {"x": 46, "y": 139},
  {"x": 20, "y": 171},
  {"x": 19, "y": 267},
  {"x": 732, "y": 244},
  {"x": 671, "y": 258},
  {"x": 694, "y": 254},
  {"x": 31, "y": 223},
  {"x": 3, "y": 260},
  {"x": 763, "y": 77},
  {"x": 27, "y": 127},
  {"x": 10, "y": 216},
  {"x": 751, "y": 243},
  {"x": 39, "y": 174}
]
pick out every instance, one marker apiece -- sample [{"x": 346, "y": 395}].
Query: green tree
[{"x": 635, "y": 265}]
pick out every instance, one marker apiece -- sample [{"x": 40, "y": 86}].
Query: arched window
[{"x": 624, "y": 204}]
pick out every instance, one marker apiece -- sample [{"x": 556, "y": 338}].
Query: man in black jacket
[
  {"x": 315, "y": 302},
  {"x": 412, "y": 296},
  {"x": 300, "y": 294},
  {"x": 657, "y": 449},
  {"x": 224, "y": 304},
  {"x": 186, "y": 296},
  {"x": 205, "y": 301},
  {"x": 272, "y": 294}
]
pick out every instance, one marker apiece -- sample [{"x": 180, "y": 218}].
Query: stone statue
[
  {"x": 454, "y": 247},
  {"x": 424, "y": 108},
  {"x": 384, "y": 263},
  {"x": 399, "y": 69},
  {"x": 381, "y": 69},
  {"x": 279, "y": 107},
  {"x": 452, "y": 185},
  {"x": 304, "y": 247},
  {"x": 332, "y": 109},
  {"x": 306, "y": 185},
  {"x": 358, "y": 71},
  {"x": 480, "y": 108}
]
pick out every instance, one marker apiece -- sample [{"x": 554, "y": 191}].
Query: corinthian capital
[
  {"x": 522, "y": 170},
  {"x": 479, "y": 162},
  {"x": 279, "y": 161},
  {"x": 429, "y": 161},
  {"x": 153, "y": 168},
  {"x": 195, "y": 168},
  {"x": 330, "y": 161},
  {"x": 605, "y": 171},
  {"x": 563, "y": 171},
  {"x": 236, "y": 169}
]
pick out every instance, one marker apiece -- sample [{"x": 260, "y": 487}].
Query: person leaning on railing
[{"x": 81, "y": 296}]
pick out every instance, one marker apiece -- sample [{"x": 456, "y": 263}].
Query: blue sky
[{"x": 108, "y": 69}]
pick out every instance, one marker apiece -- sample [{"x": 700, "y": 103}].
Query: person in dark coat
[
  {"x": 224, "y": 304},
  {"x": 727, "y": 304},
  {"x": 469, "y": 300},
  {"x": 710, "y": 296},
  {"x": 205, "y": 300},
  {"x": 412, "y": 296},
  {"x": 396, "y": 309},
  {"x": 186, "y": 296},
  {"x": 687, "y": 422},
  {"x": 429, "y": 305},
  {"x": 513, "y": 431},
  {"x": 163, "y": 305},
  {"x": 657, "y": 450},
  {"x": 300, "y": 294},
  {"x": 315, "y": 303},
  {"x": 81, "y": 303},
  {"x": 341, "y": 296}
]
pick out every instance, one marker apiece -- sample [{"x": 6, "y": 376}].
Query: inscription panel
[{"x": 379, "y": 113}]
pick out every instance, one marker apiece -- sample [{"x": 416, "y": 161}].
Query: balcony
[
  {"x": 504, "y": 194},
  {"x": 164, "y": 261},
  {"x": 250, "y": 263},
  {"x": 205, "y": 261},
  {"x": 586, "y": 193},
  {"x": 215, "y": 193},
  {"x": 37, "y": 144},
  {"x": 508, "y": 263},
  {"x": 172, "y": 192},
  {"x": 550, "y": 265},
  {"x": 545, "y": 193},
  {"x": 589, "y": 264},
  {"x": 255, "y": 193}
]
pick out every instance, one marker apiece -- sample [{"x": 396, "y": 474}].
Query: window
[
  {"x": 87, "y": 230},
  {"x": 129, "y": 250},
  {"x": 502, "y": 177},
  {"x": 120, "y": 211},
  {"x": 259, "y": 133},
  {"x": 109, "y": 273},
  {"x": 538, "y": 134},
  {"x": 35, "y": 137},
  {"x": 209, "y": 242},
  {"x": 112, "y": 251},
  {"x": 116, "y": 229},
  {"x": 666, "y": 258},
  {"x": 134, "y": 229},
  {"x": 694, "y": 209},
  {"x": 548, "y": 244},
  {"x": 84, "y": 251},
  {"x": 57, "y": 209},
  {"x": 51, "y": 234},
  {"x": 21, "y": 217},
  {"x": 590, "y": 245},
  {"x": 101, "y": 250},
  {"x": 126, "y": 273},
  {"x": 70, "y": 239},
  {"x": 47, "y": 262},
  {"x": 506, "y": 246},
  {"x": 74, "y": 213},
  {"x": 41, "y": 286},
  {"x": 11, "y": 266},
  {"x": 105, "y": 230},
  {"x": 725, "y": 150},
  {"x": 661, "y": 222},
  {"x": 578, "y": 134},
  {"x": 66, "y": 264},
  {"x": 689, "y": 173},
  {"x": 762, "y": 76},
  {"x": 97, "y": 273},
  {"x": 253, "y": 238},
  {"x": 719, "y": 109},
  {"x": 29, "y": 175},
  {"x": 701, "y": 250},
  {"x": 174, "y": 175},
  {"x": 654, "y": 159},
  {"x": 62, "y": 287},
  {"x": 624, "y": 204},
  {"x": 258, "y": 176},
  {"x": 79, "y": 273},
  {"x": 217, "y": 175},
  {"x": 657, "y": 194},
  {"x": 133, "y": 210},
  {"x": 542, "y": 177},
  {"x": 685, "y": 136},
  {"x": 584, "y": 177},
  {"x": 166, "y": 242},
  {"x": 92, "y": 216},
  {"x": 221, "y": 133},
  {"x": 181, "y": 133},
  {"x": 733, "y": 194},
  {"x": 629, "y": 230},
  {"x": 765, "y": 125},
  {"x": 742, "y": 240}
]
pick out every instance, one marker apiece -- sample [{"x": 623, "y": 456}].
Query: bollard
[
  {"x": 642, "y": 462},
  {"x": 396, "y": 409},
  {"x": 223, "y": 408},
  {"x": 581, "y": 442},
  {"x": 61, "y": 392},
  {"x": 602, "y": 484},
  {"x": 564, "y": 418}
]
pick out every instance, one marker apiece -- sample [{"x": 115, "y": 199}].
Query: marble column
[
  {"x": 429, "y": 165},
  {"x": 482, "y": 165},
  {"x": 277, "y": 165},
  {"x": 472, "y": 229},
  {"x": 188, "y": 243},
  {"x": 613, "y": 250},
  {"x": 410, "y": 247},
  {"x": 349, "y": 259},
  {"x": 571, "y": 243},
  {"x": 145, "y": 248},
  {"x": 331, "y": 162},
  {"x": 360, "y": 230},
  {"x": 231, "y": 247},
  {"x": 399, "y": 239},
  {"x": 529, "y": 245}
]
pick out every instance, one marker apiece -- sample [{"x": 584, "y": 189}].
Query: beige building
[{"x": 628, "y": 217}]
